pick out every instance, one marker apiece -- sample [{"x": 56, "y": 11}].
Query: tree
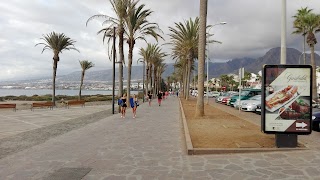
[
  {"x": 151, "y": 54},
  {"x": 57, "y": 42},
  {"x": 120, "y": 7},
  {"x": 300, "y": 27},
  {"x": 184, "y": 38},
  {"x": 137, "y": 28},
  {"x": 201, "y": 60},
  {"x": 312, "y": 24},
  {"x": 85, "y": 65}
]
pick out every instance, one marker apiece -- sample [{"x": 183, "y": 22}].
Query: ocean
[{"x": 68, "y": 92}]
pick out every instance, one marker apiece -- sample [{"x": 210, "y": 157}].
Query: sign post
[{"x": 286, "y": 107}]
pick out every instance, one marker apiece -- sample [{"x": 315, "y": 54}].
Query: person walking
[
  {"x": 123, "y": 105},
  {"x": 134, "y": 104},
  {"x": 149, "y": 98},
  {"x": 159, "y": 97}
]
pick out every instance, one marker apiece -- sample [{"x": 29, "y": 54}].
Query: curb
[
  {"x": 186, "y": 130},
  {"x": 201, "y": 151}
]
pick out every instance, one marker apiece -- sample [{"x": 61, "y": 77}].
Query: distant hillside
[{"x": 215, "y": 69}]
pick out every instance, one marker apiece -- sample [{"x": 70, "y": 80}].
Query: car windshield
[
  {"x": 225, "y": 94},
  {"x": 244, "y": 93},
  {"x": 257, "y": 98}
]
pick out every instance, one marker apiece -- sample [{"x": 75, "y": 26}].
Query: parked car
[
  {"x": 223, "y": 95},
  {"x": 316, "y": 121},
  {"x": 315, "y": 104},
  {"x": 251, "y": 103},
  {"x": 212, "y": 94},
  {"x": 258, "y": 109},
  {"x": 226, "y": 94},
  {"x": 245, "y": 94},
  {"x": 235, "y": 104},
  {"x": 225, "y": 100}
]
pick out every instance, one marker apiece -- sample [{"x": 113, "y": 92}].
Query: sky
[{"x": 253, "y": 27}]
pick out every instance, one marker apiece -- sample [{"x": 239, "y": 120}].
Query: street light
[
  {"x": 221, "y": 23},
  {"x": 143, "y": 78}
]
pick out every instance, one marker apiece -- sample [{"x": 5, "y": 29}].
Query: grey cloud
[{"x": 253, "y": 28}]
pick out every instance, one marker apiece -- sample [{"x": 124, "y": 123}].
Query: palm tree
[
  {"x": 137, "y": 28},
  {"x": 120, "y": 7},
  {"x": 312, "y": 24},
  {"x": 57, "y": 42},
  {"x": 300, "y": 27},
  {"x": 184, "y": 38},
  {"x": 150, "y": 54},
  {"x": 85, "y": 65},
  {"x": 201, "y": 60}
]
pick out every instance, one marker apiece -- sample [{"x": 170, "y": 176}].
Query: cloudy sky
[{"x": 253, "y": 27}]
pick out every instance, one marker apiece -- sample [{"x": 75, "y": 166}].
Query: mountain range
[{"x": 215, "y": 69}]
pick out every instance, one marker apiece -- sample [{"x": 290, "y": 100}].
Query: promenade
[{"x": 151, "y": 146}]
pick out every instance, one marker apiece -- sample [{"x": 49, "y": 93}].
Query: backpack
[{"x": 120, "y": 102}]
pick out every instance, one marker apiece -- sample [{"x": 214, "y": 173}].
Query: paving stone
[
  {"x": 234, "y": 167},
  {"x": 262, "y": 163},
  {"x": 150, "y": 147},
  {"x": 278, "y": 176},
  {"x": 311, "y": 171}
]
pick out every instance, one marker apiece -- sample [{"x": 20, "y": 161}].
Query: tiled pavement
[
  {"x": 149, "y": 147},
  {"x": 12, "y": 123}
]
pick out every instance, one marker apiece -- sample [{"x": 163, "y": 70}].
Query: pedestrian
[
  {"x": 149, "y": 97},
  {"x": 123, "y": 105},
  {"x": 159, "y": 97},
  {"x": 177, "y": 93},
  {"x": 163, "y": 95},
  {"x": 166, "y": 94},
  {"x": 134, "y": 104}
]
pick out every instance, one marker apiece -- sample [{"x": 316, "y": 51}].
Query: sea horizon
[{"x": 68, "y": 92}]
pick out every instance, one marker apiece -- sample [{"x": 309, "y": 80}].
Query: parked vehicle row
[{"x": 250, "y": 100}]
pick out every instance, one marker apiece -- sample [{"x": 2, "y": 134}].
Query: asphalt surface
[{"x": 151, "y": 146}]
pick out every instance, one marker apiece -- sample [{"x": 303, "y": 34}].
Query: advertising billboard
[{"x": 286, "y": 99}]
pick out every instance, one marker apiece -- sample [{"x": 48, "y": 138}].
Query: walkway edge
[
  {"x": 186, "y": 130},
  {"x": 200, "y": 151}
]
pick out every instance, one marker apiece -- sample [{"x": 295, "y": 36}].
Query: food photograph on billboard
[{"x": 287, "y": 99}]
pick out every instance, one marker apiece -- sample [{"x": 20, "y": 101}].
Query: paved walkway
[
  {"x": 12, "y": 123},
  {"x": 148, "y": 147}
]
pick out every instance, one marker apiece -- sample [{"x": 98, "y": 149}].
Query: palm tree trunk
[
  {"x": 185, "y": 81},
  {"x": 304, "y": 48},
  {"x": 314, "y": 77},
  {"x": 131, "y": 45},
  {"x": 121, "y": 53},
  {"x": 151, "y": 80},
  {"x": 189, "y": 75},
  {"x": 55, "y": 66},
  {"x": 147, "y": 79},
  {"x": 155, "y": 80},
  {"x": 201, "y": 60},
  {"x": 81, "y": 83}
]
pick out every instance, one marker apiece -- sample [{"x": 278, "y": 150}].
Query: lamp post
[
  {"x": 221, "y": 23},
  {"x": 113, "y": 66},
  {"x": 143, "y": 78}
]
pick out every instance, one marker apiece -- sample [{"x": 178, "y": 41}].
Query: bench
[
  {"x": 42, "y": 104},
  {"x": 75, "y": 102},
  {"x": 8, "y": 106}
]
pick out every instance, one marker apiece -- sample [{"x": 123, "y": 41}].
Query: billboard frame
[{"x": 264, "y": 111}]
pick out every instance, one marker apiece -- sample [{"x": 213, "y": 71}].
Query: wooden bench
[
  {"x": 42, "y": 104},
  {"x": 76, "y": 102},
  {"x": 13, "y": 106}
]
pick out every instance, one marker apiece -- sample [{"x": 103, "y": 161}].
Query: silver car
[{"x": 251, "y": 103}]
